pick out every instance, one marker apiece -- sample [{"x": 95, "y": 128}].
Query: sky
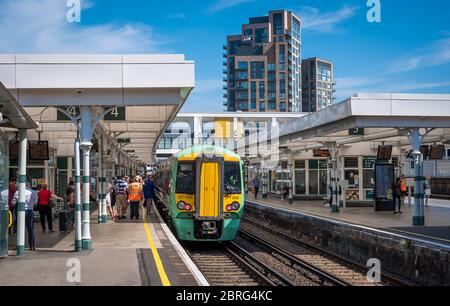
[{"x": 408, "y": 51}]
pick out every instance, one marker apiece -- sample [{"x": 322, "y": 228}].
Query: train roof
[{"x": 195, "y": 151}]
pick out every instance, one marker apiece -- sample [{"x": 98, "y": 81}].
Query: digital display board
[
  {"x": 384, "y": 187},
  {"x": 321, "y": 153},
  {"x": 437, "y": 152},
  {"x": 384, "y": 153},
  {"x": 14, "y": 150},
  {"x": 38, "y": 150}
]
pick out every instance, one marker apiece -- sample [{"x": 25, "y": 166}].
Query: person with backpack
[
  {"x": 149, "y": 194},
  {"x": 45, "y": 208},
  {"x": 403, "y": 188},
  {"x": 397, "y": 194},
  {"x": 135, "y": 195}
]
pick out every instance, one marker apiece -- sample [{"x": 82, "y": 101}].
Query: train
[{"x": 203, "y": 193}]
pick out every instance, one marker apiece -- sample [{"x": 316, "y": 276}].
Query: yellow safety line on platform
[{"x": 162, "y": 272}]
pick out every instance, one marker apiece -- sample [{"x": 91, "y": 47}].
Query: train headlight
[
  {"x": 183, "y": 206},
  {"x": 180, "y": 205},
  {"x": 233, "y": 206}
]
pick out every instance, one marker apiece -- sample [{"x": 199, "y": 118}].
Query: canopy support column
[
  {"x": 334, "y": 152},
  {"x": 21, "y": 192},
  {"x": 78, "y": 239},
  {"x": 290, "y": 168},
  {"x": 418, "y": 211}
]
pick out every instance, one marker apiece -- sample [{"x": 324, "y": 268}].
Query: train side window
[
  {"x": 185, "y": 178},
  {"x": 232, "y": 178}
]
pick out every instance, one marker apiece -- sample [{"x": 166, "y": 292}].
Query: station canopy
[
  {"x": 12, "y": 113},
  {"x": 370, "y": 117},
  {"x": 148, "y": 91}
]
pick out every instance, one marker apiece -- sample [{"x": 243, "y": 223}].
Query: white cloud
[
  {"x": 40, "y": 26},
  {"x": 315, "y": 20},
  {"x": 221, "y": 5},
  {"x": 437, "y": 54},
  {"x": 348, "y": 86}
]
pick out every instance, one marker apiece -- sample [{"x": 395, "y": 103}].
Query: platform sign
[
  {"x": 384, "y": 187},
  {"x": 117, "y": 114},
  {"x": 321, "y": 153},
  {"x": 356, "y": 132},
  {"x": 72, "y": 110},
  {"x": 369, "y": 162}
]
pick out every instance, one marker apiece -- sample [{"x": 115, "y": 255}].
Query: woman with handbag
[{"x": 44, "y": 207}]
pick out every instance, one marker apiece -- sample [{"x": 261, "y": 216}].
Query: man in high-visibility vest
[{"x": 135, "y": 195}]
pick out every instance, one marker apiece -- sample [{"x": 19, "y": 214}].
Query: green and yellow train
[{"x": 204, "y": 193}]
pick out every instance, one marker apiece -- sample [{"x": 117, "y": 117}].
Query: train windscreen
[
  {"x": 232, "y": 177},
  {"x": 185, "y": 178}
]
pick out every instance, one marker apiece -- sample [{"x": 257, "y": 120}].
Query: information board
[{"x": 384, "y": 184}]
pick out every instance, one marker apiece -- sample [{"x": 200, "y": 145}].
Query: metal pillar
[
  {"x": 102, "y": 216},
  {"x": 21, "y": 192},
  {"x": 86, "y": 145},
  {"x": 334, "y": 178},
  {"x": 418, "y": 214},
  {"x": 78, "y": 242},
  {"x": 290, "y": 167}
]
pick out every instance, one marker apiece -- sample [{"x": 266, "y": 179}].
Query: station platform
[
  {"x": 125, "y": 253},
  {"x": 437, "y": 217},
  {"x": 420, "y": 255}
]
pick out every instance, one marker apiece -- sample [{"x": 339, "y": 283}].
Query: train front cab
[{"x": 215, "y": 213}]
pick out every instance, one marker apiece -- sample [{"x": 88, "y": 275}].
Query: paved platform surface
[
  {"x": 437, "y": 217},
  {"x": 127, "y": 252}
]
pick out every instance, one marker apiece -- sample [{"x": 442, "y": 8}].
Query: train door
[
  {"x": 209, "y": 199},
  {"x": 209, "y": 190}
]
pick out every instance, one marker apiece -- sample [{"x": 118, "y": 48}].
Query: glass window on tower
[
  {"x": 242, "y": 65},
  {"x": 278, "y": 23},
  {"x": 261, "y": 36},
  {"x": 258, "y": 70},
  {"x": 262, "y": 90},
  {"x": 282, "y": 55},
  {"x": 248, "y": 32}
]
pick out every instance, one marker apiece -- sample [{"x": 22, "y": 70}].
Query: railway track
[
  {"x": 231, "y": 265},
  {"x": 302, "y": 272},
  {"x": 328, "y": 264}
]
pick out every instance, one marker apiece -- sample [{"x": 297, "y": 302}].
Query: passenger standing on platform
[
  {"x": 45, "y": 208},
  {"x": 256, "y": 186},
  {"x": 149, "y": 194},
  {"x": 12, "y": 188},
  {"x": 397, "y": 196},
  {"x": 109, "y": 202},
  {"x": 70, "y": 195},
  {"x": 135, "y": 195},
  {"x": 403, "y": 188},
  {"x": 427, "y": 188},
  {"x": 285, "y": 192},
  {"x": 121, "y": 197},
  {"x": 31, "y": 199}
]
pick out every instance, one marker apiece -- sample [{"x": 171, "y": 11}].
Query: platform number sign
[
  {"x": 356, "y": 132},
  {"x": 116, "y": 114},
  {"x": 74, "y": 111}
]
